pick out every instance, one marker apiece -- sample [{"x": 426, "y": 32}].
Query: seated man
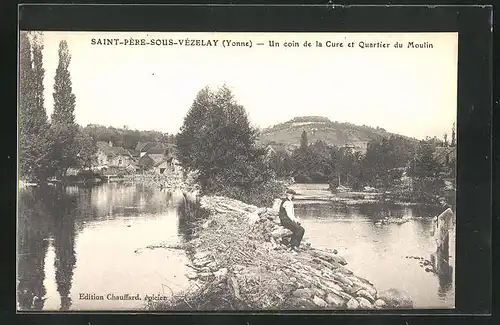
[{"x": 290, "y": 221}]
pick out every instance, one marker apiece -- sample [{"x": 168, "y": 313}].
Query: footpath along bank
[{"x": 239, "y": 262}]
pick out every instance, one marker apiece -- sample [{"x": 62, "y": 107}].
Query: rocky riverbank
[{"x": 239, "y": 261}]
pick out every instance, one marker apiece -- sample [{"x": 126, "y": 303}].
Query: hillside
[{"x": 287, "y": 134}]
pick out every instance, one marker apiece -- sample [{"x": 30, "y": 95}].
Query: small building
[
  {"x": 134, "y": 154},
  {"x": 143, "y": 147},
  {"x": 149, "y": 154},
  {"x": 158, "y": 154},
  {"x": 164, "y": 165},
  {"x": 133, "y": 168},
  {"x": 110, "y": 156},
  {"x": 145, "y": 162}
]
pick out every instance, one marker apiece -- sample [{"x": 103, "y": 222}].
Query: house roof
[
  {"x": 156, "y": 150},
  {"x": 146, "y": 146},
  {"x": 168, "y": 160},
  {"x": 140, "y": 146},
  {"x": 144, "y": 158},
  {"x": 134, "y": 153},
  {"x": 111, "y": 151}
]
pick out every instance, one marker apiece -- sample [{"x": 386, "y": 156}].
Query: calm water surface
[
  {"x": 84, "y": 241},
  {"x": 378, "y": 252}
]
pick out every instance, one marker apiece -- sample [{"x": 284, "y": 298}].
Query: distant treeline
[
  {"x": 383, "y": 165},
  {"x": 320, "y": 162},
  {"x": 126, "y": 138}
]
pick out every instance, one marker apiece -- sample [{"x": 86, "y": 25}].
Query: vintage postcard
[{"x": 236, "y": 171}]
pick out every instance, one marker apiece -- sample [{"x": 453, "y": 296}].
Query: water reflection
[
  {"x": 378, "y": 251},
  {"x": 51, "y": 220},
  {"x": 440, "y": 260},
  {"x": 191, "y": 215},
  {"x": 32, "y": 247},
  {"x": 63, "y": 208},
  {"x": 445, "y": 276},
  {"x": 84, "y": 240}
]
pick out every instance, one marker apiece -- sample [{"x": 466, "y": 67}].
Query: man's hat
[{"x": 290, "y": 191}]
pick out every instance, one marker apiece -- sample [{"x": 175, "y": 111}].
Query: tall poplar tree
[
  {"x": 25, "y": 102},
  {"x": 33, "y": 138},
  {"x": 304, "y": 143},
  {"x": 453, "y": 140},
  {"x": 64, "y": 128}
]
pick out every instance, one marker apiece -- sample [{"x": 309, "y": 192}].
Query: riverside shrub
[{"x": 262, "y": 196}]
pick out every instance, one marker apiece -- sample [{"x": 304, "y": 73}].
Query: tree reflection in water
[
  {"x": 33, "y": 235},
  {"x": 440, "y": 260},
  {"x": 445, "y": 276},
  {"x": 43, "y": 214},
  {"x": 63, "y": 210},
  {"x": 190, "y": 216}
]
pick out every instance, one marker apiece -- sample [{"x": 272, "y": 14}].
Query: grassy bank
[{"x": 239, "y": 262}]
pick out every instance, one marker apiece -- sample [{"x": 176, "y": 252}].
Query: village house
[
  {"x": 167, "y": 164},
  {"x": 142, "y": 147},
  {"x": 157, "y": 154},
  {"x": 153, "y": 152},
  {"x": 162, "y": 166},
  {"x": 145, "y": 162},
  {"x": 109, "y": 156}
]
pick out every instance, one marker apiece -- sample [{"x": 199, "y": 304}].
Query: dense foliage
[
  {"x": 48, "y": 149},
  {"x": 384, "y": 165},
  {"x": 125, "y": 137},
  {"x": 34, "y": 141},
  {"x": 218, "y": 142}
]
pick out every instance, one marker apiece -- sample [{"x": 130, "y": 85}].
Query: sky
[{"x": 408, "y": 91}]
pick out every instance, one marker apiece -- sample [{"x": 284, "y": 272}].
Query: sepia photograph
[{"x": 169, "y": 171}]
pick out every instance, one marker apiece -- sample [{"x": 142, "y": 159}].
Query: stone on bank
[{"x": 312, "y": 279}]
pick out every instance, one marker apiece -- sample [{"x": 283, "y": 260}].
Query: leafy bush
[
  {"x": 303, "y": 178},
  {"x": 86, "y": 174},
  {"x": 428, "y": 189},
  {"x": 264, "y": 195},
  {"x": 217, "y": 141}
]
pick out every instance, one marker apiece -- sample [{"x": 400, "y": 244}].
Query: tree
[
  {"x": 64, "y": 128},
  {"x": 452, "y": 144},
  {"x": 445, "y": 137},
  {"x": 87, "y": 149},
  {"x": 346, "y": 167},
  {"x": 304, "y": 144},
  {"x": 216, "y": 140},
  {"x": 425, "y": 170},
  {"x": 318, "y": 161},
  {"x": 281, "y": 163},
  {"x": 385, "y": 159},
  {"x": 26, "y": 102},
  {"x": 425, "y": 163},
  {"x": 33, "y": 125}
]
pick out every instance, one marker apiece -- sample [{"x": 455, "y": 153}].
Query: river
[
  {"x": 379, "y": 252},
  {"x": 85, "y": 241},
  {"x": 88, "y": 242}
]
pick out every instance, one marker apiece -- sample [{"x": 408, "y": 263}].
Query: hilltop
[{"x": 287, "y": 135}]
